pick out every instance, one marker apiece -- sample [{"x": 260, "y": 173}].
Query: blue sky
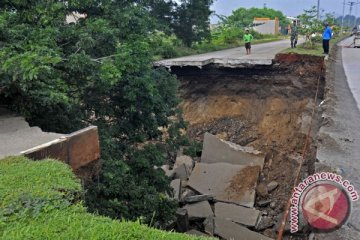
[{"x": 288, "y": 7}]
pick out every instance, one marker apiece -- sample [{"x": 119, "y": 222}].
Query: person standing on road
[
  {"x": 247, "y": 39},
  {"x": 294, "y": 35},
  {"x": 326, "y": 38}
]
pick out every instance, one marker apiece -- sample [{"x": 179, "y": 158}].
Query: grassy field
[{"x": 43, "y": 200}]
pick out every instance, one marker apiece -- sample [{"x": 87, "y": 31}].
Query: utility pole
[
  {"x": 318, "y": 10},
  {"x": 342, "y": 19},
  {"x": 351, "y": 4}
]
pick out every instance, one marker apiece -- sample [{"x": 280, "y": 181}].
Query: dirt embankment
[{"x": 268, "y": 109}]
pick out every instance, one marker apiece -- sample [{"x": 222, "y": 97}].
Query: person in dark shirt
[{"x": 294, "y": 35}]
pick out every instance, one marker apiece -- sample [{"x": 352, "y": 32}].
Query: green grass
[
  {"x": 42, "y": 200},
  {"x": 308, "y": 49}
]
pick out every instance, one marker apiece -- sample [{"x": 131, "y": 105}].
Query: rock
[
  {"x": 264, "y": 223},
  {"x": 236, "y": 213},
  {"x": 199, "y": 210},
  {"x": 269, "y": 233},
  {"x": 216, "y": 150},
  {"x": 263, "y": 203},
  {"x": 181, "y": 172},
  {"x": 226, "y": 182},
  {"x": 261, "y": 190},
  {"x": 273, "y": 205},
  {"x": 264, "y": 213},
  {"x": 196, "y": 233},
  {"x": 187, "y": 161},
  {"x": 182, "y": 220},
  {"x": 198, "y": 198},
  {"x": 209, "y": 225},
  {"x": 230, "y": 230},
  {"x": 272, "y": 186},
  {"x": 176, "y": 185}
]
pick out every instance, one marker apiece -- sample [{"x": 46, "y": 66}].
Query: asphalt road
[
  {"x": 260, "y": 53},
  {"x": 351, "y": 63},
  {"x": 339, "y": 137}
]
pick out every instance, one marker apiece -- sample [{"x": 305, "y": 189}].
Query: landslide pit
[{"x": 268, "y": 108}]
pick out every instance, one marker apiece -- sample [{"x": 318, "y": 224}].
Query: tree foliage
[
  {"x": 191, "y": 20},
  {"x": 244, "y": 17},
  {"x": 98, "y": 71}
]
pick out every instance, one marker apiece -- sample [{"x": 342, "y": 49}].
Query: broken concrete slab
[
  {"x": 264, "y": 223},
  {"x": 239, "y": 214},
  {"x": 182, "y": 220},
  {"x": 186, "y": 193},
  {"x": 196, "y": 233},
  {"x": 198, "y": 198},
  {"x": 181, "y": 172},
  {"x": 226, "y": 182},
  {"x": 216, "y": 150},
  {"x": 188, "y": 161},
  {"x": 199, "y": 210},
  {"x": 176, "y": 185},
  {"x": 230, "y": 230},
  {"x": 209, "y": 225}
]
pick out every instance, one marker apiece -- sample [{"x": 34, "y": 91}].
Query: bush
[{"x": 41, "y": 200}]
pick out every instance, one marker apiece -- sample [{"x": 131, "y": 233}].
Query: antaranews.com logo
[{"x": 324, "y": 199}]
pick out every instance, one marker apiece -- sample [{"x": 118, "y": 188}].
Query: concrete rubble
[
  {"x": 217, "y": 195},
  {"x": 199, "y": 210},
  {"x": 239, "y": 214},
  {"x": 230, "y": 230},
  {"x": 176, "y": 185},
  {"x": 223, "y": 181},
  {"x": 216, "y": 150}
]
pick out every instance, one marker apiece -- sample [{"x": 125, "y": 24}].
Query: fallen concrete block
[
  {"x": 181, "y": 172},
  {"x": 182, "y": 220},
  {"x": 186, "y": 160},
  {"x": 230, "y": 230},
  {"x": 264, "y": 223},
  {"x": 199, "y": 210},
  {"x": 216, "y": 150},
  {"x": 198, "y": 198},
  {"x": 209, "y": 225},
  {"x": 226, "y": 182},
  {"x": 176, "y": 185},
  {"x": 239, "y": 214}
]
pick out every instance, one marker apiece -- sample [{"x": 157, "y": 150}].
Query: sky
[{"x": 288, "y": 7}]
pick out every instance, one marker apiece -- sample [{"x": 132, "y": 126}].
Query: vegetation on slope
[{"x": 42, "y": 200}]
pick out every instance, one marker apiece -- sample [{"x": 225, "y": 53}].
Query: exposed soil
[
  {"x": 268, "y": 109},
  {"x": 243, "y": 181}
]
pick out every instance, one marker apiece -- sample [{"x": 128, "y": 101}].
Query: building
[{"x": 266, "y": 25}]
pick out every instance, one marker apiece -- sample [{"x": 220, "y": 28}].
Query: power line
[{"x": 352, "y": 4}]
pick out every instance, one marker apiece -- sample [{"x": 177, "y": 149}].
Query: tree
[
  {"x": 191, "y": 20},
  {"x": 310, "y": 23},
  {"x": 98, "y": 71},
  {"x": 243, "y": 17}
]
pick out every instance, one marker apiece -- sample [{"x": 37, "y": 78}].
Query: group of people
[{"x": 327, "y": 35}]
